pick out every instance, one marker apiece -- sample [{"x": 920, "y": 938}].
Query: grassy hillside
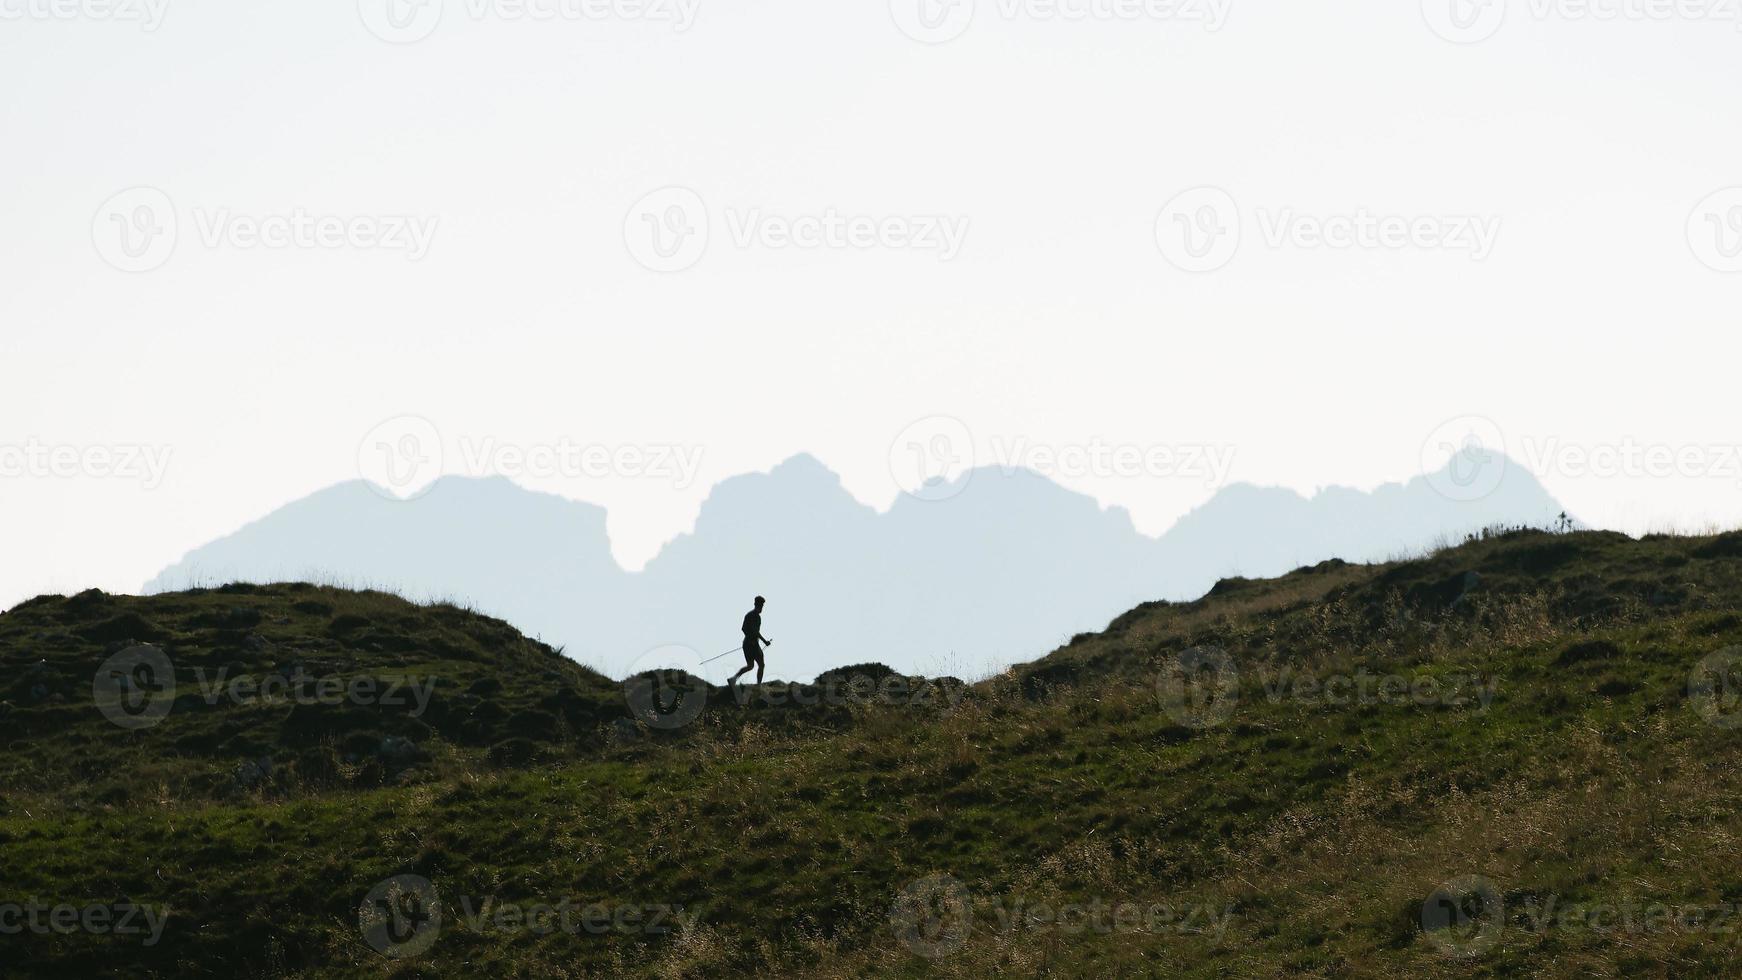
[{"x": 1507, "y": 759}]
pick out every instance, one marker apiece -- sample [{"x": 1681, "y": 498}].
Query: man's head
[{"x": 760, "y": 601}]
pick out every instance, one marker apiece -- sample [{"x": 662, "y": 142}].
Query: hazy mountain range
[{"x": 999, "y": 573}]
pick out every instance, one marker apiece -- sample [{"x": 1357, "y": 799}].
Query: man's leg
[
  {"x": 749, "y": 662},
  {"x": 759, "y": 666}
]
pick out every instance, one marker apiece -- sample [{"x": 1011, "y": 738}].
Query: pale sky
[{"x": 1548, "y": 245}]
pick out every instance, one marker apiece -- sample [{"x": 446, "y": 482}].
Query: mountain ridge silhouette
[{"x": 1007, "y": 566}]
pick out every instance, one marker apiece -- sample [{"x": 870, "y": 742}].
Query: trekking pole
[{"x": 726, "y": 654}]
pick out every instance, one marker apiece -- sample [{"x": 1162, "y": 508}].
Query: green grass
[{"x": 1290, "y": 835}]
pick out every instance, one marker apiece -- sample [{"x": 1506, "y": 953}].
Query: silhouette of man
[{"x": 752, "y": 651}]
